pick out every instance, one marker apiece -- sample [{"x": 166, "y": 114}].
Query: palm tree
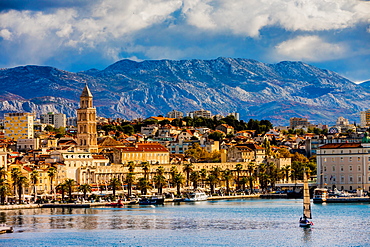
[
  {"x": 159, "y": 181},
  {"x": 179, "y": 180},
  {"x": 146, "y": 167},
  {"x": 84, "y": 188},
  {"x": 227, "y": 176},
  {"x": 251, "y": 179},
  {"x": 216, "y": 172},
  {"x": 70, "y": 183},
  {"x": 203, "y": 175},
  {"x": 22, "y": 181},
  {"x": 194, "y": 178},
  {"x": 212, "y": 180},
  {"x": 2, "y": 172},
  {"x": 238, "y": 169},
  {"x": 173, "y": 172},
  {"x": 34, "y": 179},
  {"x": 285, "y": 170},
  {"x": 15, "y": 174},
  {"x": 144, "y": 185},
  {"x": 130, "y": 179},
  {"x": 4, "y": 190},
  {"x": 131, "y": 166},
  {"x": 188, "y": 168},
  {"x": 62, "y": 189},
  {"x": 51, "y": 173},
  {"x": 115, "y": 184},
  {"x": 243, "y": 182}
]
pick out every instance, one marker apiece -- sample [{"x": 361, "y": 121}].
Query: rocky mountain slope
[{"x": 131, "y": 89}]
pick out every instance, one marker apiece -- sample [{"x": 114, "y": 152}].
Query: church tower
[{"x": 86, "y": 123}]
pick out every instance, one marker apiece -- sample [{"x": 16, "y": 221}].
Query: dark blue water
[{"x": 249, "y": 222}]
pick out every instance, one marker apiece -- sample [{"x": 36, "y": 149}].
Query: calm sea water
[{"x": 249, "y": 222}]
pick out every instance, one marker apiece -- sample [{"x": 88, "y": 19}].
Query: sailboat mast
[{"x": 306, "y": 198}]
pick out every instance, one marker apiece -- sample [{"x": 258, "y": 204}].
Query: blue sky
[{"x": 82, "y": 34}]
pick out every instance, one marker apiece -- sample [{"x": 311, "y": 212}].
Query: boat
[
  {"x": 115, "y": 204},
  {"x": 151, "y": 200},
  {"x": 303, "y": 221},
  {"x": 321, "y": 195},
  {"x": 5, "y": 229},
  {"x": 196, "y": 196}
]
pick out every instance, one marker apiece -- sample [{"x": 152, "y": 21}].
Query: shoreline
[{"x": 99, "y": 204}]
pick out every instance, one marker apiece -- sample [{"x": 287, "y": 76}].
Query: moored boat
[
  {"x": 151, "y": 200},
  {"x": 115, "y": 204},
  {"x": 321, "y": 195},
  {"x": 196, "y": 196}
]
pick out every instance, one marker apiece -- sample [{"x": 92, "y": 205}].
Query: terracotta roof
[
  {"x": 146, "y": 147},
  {"x": 341, "y": 145}
]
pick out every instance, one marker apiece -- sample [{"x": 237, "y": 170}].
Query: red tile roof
[{"x": 341, "y": 145}]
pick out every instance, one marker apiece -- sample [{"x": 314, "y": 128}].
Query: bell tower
[{"x": 86, "y": 123}]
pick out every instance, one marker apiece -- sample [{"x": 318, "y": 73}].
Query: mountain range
[{"x": 129, "y": 89}]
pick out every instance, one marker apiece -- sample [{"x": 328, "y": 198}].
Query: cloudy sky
[{"x": 77, "y": 35}]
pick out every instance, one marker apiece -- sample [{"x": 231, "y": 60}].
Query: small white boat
[
  {"x": 196, "y": 196},
  {"x": 303, "y": 221}
]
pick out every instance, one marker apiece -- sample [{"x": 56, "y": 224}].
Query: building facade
[
  {"x": 56, "y": 119},
  {"x": 19, "y": 125},
  {"x": 365, "y": 118},
  {"x": 345, "y": 166}
]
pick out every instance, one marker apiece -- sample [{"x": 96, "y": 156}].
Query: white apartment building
[
  {"x": 175, "y": 114},
  {"x": 56, "y": 119},
  {"x": 365, "y": 118},
  {"x": 345, "y": 166},
  {"x": 200, "y": 113}
]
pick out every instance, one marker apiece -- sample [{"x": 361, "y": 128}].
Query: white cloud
[
  {"x": 6, "y": 34},
  {"x": 309, "y": 48},
  {"x": 249, "y": 17}
]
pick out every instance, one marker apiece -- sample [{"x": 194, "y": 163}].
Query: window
[
  {"x": 350, "y": 159},
  {"x": 324, "y": 168},
  {"x": 350, "y": 168},
  {"x": 359, "y": 179},
  {"x": 342, "y": 179},
  {"x": 341, "y": 159},
  {"x": 341, "y": 168},
  {"x": 359, "y": 168},
  {"x": 350, "y": 179},
  {"x": 358, "y": 158},
  {"x": 333, "y": 168}
]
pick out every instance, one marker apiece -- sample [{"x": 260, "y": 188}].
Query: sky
[{"x": 77, "y": 35}]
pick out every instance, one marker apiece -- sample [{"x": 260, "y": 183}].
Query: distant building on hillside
[
  {"x": 299, "y": 122},
  {"x": 365, "y": 118},
  {"x": 200, "y": 113},
  {"x": 175, "y": 114},
  {"x": 236, "y": 115},
  {"x": 56, "y": 119}
]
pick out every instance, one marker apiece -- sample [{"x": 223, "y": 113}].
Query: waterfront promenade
[{"x": 99, "y": 204}]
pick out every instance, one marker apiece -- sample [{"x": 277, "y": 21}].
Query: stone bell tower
[{"x": 86, "y": 123}]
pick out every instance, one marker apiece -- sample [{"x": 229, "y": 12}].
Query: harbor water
[{"x": 242, "y": 222}]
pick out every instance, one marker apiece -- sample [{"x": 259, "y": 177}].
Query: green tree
[
  {"x": 4, "y": 190},
  {"x": 21, "y": 182},
  {"x": 51, "y": 174},
  {"x": 115, "y": 184},
  {"x": 194, "y": 178},
  {"x": 130, "y": 180},
  {"x": 238, "y": 169},
  {"x": 203, "y": 175},
  {"x": 212, "y": 180},
  {"x": 70, "y": 183},
  {"x": 61, "y": 188},
  {"x": 188, "y": 168},
  {"x": 84, "y": 188},
  {"x": 34, "y": 179},
  {"x": 159, "y": 179},
  {"x": 179, "y": 180},
  {"x": 146, "y": 167},
  {"x": 217, "y": 136},
  {"x": 243, "y": 181},
  {"x": 144, "y": 185},
  {"x": 15, "y": 174},
  {"x": 227, "y": 176}
]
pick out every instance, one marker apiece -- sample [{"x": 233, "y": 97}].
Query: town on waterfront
[{"x": 93, "y": 159}]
